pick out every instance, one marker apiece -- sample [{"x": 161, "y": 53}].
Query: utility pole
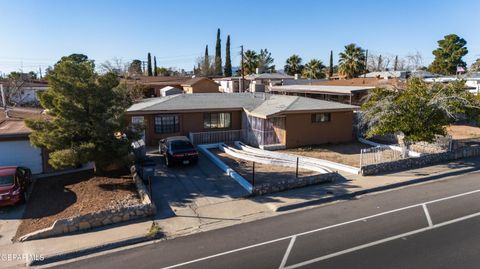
[
  {"x": 366, "y": 62},
  {"x": 4, "y": 103},
  {"x": 242, "y": 88}
]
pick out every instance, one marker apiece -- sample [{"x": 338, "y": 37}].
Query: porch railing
[{"x": 217, "y": 136}]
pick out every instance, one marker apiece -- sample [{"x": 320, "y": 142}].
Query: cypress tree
[
  {"x": 228, "y": 61},
  {"x": 206, "y": 63},
  {"x": 218, "y": 55},
  {"x": 395, "y": 63},
  {"x": 155, "y": 71},
  {"x": 149, "y": 65},
  {"x": 380, "y": 62},
  {"x": 330, "y": 71}
]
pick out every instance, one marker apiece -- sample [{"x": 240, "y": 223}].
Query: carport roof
[{"x": 259, "y": 104}]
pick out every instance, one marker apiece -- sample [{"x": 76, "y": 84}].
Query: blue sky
[{"x": 38, "y": 32}]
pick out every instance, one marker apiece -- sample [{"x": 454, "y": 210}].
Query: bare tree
[
  {"x": 116, "y": 65},
  {"x": 414, "y": 61}
]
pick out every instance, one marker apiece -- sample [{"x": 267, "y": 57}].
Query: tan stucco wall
[
  {"x": 301, "y": 131},
  {"x": 189, "y": 122},
  {"x": 204, "y": 86}
]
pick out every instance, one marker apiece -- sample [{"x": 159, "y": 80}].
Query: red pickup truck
[{"x": 14, "y": 182}]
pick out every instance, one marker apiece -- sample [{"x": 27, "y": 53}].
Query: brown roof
[
  {"x": 26, "y": 84},
  {"x": 360, "y": 82},
  {"x": 14, "y": 128},
  {"x": 194, "y": 81},
  {"x": 159, "y": 79}
]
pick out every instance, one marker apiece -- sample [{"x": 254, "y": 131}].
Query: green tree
[
  {"x": 330, "y": 68},
  {"x": 88, "y": 121},
  {"x": 135, "y": 68},
  {"x": 155, "y": 73},
  {"x": 228, "y": 62},
  {"x": 206, "y": 66},
  {"x": 475, "y": 67},
  {"x": 395, "y": 63},
  {"x": 420, "y": 112},
  {"x": 265, "y": 61},
  {"x": 314, "y": 69},
  {"x": 352, "y": 61},
  {"x": 250, "y": 59},
  {"x": 449, "y": 55},
  {"x": 293, "y": 65},
  {"x": 149, "y": 65},
  {"x": 218, "y": 55}
]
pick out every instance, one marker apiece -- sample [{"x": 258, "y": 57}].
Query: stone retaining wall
[
  {"x": 100, "y": 218},
  {"x": 287, "y": 184},
  {"x": 426, "y": 160}
]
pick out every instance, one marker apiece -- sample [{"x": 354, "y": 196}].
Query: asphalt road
[{"x": 432, "y": 225}]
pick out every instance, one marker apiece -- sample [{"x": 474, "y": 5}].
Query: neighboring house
[
  {"x": 387, "y": 74},
  {"x": 24, "y": 93},
  {"x": 260, "y": 82},
  {"x": 260, "y": 119},
  {"x": 15, "y": 147},
  {"x": 153, "y": 85},
  {"x": 200, "y": 85},
  {"x": 169, "y": 90},
  {"x": 472, "y": 81},
  {"x": 352, "y": 95}
]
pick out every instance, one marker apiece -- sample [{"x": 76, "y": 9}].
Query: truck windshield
[{"x": 6, "y": 180}]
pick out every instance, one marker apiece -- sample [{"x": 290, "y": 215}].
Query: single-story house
[
  {"x": 200, "y": 85},
  {"x": 24, "y": 93},
  {"x": 15, "y": 146},
  {"x": 352, "y": 95},
  {"x": 260, "y": 119},
  {"x": 153, "y": 85},
  {"x": 169, "y": 90}
]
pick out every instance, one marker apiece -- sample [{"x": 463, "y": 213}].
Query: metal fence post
[
  {"x": 253, "y": 175},
  {"x": 296, "y": 171}
]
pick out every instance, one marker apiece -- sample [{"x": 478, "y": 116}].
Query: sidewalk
[{"x": 203, "y": 214}]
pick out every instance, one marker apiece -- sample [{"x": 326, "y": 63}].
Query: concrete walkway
[{"x": 206, "y": 212}]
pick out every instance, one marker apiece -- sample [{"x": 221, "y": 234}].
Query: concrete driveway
[{"x": 190, "y": 195}]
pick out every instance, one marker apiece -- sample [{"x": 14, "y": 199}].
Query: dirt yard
[
  {"x": 263, "y": 172},
  {"x": 463, "y": 131},
  {"x": 69, "y": 195},
  {"x": 348, "y": 154}
]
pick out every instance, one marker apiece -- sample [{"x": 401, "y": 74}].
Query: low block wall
[
  {"x": 101, "y": 218},
  {"x": 287, "y": 184},
  {"x": 426, "y": 160}
]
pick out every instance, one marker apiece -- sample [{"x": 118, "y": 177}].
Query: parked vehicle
[
  {"x": 178, "y": 150},
  {"x": 14, "y": 182}
]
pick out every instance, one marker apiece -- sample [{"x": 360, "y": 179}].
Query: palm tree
[
  {"x": 352, "y": 61},
  {"x": 250, "y": 58},
  {"x": 314, "y": 69},
  {"x": 293, "y": 65}
]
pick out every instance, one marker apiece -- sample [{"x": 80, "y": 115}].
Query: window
[
  {"x": 321, "y": 117},
  {"x": 217, "y": 120},
  {"x": 167, "y": 124},
  {"x": 6, "y": 180}
]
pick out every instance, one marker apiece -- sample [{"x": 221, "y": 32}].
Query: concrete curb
[
  {"x": 348, "y": 196},
  {"x": 91, "y": 250}
]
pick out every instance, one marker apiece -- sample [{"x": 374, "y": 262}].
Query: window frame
[
  {"x": 315, "y": 120},
  {"x": 208, "y": 116},
  {"x": 166, "y": 130}
]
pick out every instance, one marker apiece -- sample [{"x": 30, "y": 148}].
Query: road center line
[
  {"x": 324, "y": 228},
  {"x": 382, "y": 241},
  {"x": 427, "y": 214},
  {"x": 287, "y": 253}
]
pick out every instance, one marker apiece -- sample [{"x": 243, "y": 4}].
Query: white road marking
[
  {"x": 337, "y": 225},
  {"x": 382, "y": 241},
  {"x": 427, "y": 214},
  {"x": 287, "y": 253}
]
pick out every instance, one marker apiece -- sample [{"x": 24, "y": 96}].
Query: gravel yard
[
  {"x": 463, "y": 131},
  {"x": 263, "y": 172},
  {"x": 70, "y": 195},
  {"x": 348, "y": 153}
]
